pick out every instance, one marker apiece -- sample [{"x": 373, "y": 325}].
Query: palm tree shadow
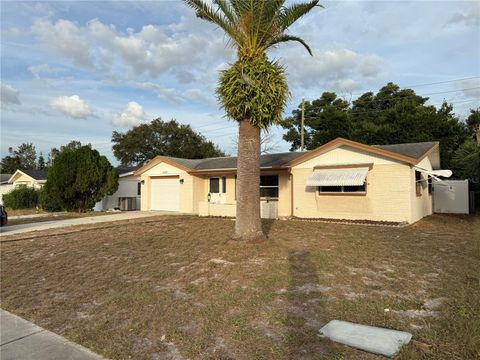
[{"x": 306, "y": 313}]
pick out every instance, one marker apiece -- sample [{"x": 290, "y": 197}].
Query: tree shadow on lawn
[
  {"x": 305, "y": 312},
  {"x": 267, "y": 226}
]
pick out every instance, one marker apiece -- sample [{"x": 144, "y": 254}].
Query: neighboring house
[
  {"x": 127, "y": 196},
  {"x": 5, "y": 187},
  {"x": 31, "y": 178},
  {"x": 342, "y": 179}
]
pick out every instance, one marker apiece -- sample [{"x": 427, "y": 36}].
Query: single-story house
[
  {"x": 127, "y": 196},
  {"x": 31, "y": 178},
  {"x": 342, "y": 179},
  {"x": 5, "y": 187}
]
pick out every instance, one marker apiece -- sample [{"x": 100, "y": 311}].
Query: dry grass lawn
[{"x": 177, "y": 287}]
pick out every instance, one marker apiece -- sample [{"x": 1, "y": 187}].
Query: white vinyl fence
[{"x": 451, "y": 196}]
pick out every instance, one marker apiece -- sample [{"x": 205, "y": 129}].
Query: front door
[{"x": 217, "y": 189}]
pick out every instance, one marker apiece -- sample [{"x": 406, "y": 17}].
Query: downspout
[{"x": 291, "y": 192}]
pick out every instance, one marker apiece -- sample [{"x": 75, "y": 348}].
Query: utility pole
[{"x": 302, "y": 140}]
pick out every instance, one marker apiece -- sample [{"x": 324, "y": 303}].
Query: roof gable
[{"x": 410, "y": 153}]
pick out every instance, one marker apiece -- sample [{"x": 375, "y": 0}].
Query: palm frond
[
  {"x": 284, "y": 38},
  {"x": 294, "y": 12},
  {"x": 208, "y": 13},
  {"x": 227, "y": 10}
]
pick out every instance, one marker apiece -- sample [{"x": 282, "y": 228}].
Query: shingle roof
[
  {"x": 410, "y": 153},
  {"x": 4, "y": 178},
  {"x": 36, "y": 174},
  {"x": 267, "y": 160},
  {"x": 413, "y": 150}
]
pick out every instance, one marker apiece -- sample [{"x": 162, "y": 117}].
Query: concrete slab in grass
[{"x": 369, "y": 338}]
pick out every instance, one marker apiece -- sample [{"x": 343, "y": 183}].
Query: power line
[
  {"x": 435, "y": 83},
  {"x": 372, "y": 101},
  {"x": 445, "y": 82},
  {"x": 358, "y": 112}
]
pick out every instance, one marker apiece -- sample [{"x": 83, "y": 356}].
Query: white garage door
[{"x": 165, "y": 193}]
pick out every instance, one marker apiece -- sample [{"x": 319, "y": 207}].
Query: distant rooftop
[
  {"x": 4, "y": 178},
  {"x": 36, "y": 174}
]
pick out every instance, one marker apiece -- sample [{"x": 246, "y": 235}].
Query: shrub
[
  {"x": 78, "y": 179},
  {"x": 22, "y": 197},
  {"x": 48, "y": 203}
]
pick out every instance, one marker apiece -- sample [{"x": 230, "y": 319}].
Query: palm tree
[{"x": 253, "y": 91}]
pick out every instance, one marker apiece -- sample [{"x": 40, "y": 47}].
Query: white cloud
[
  {"x": 65, "y": 38},
  {"x": 38, "y": 70},
  {"x": 339, "y": 67},
  {"x": 72, "y": 106},
  {"x": 469, "y": 17},
  {"x": 133, "y": 115},
  {"x": 9, "y": 95},
  {"x": 371, "y": 65}
]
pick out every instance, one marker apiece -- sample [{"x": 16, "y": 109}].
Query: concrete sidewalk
[
  {"x": 127, "y": 215},
  {"x": 23, "y": 340}
]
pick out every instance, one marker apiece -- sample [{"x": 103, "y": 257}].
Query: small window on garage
[{"x": 139, "y": 188}]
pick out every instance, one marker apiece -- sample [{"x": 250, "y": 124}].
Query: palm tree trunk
[{"x": 248, "y": 224}]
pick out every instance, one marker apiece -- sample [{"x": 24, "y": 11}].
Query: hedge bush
[
  {"x": 22, "y": 197},
  {"x": 48, "y": 203}
]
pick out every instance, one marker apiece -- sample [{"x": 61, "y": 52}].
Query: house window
[
  {"x": 139, "y": 188},
  {"x": 418, "y": 182},
  {"x": 215, "y": 185},
  {"x": 224, "y": 184},
  {"x": 269, "y": 186},
  {"x": 430, "y": 185},
  {"x": 343, "y": 189}
]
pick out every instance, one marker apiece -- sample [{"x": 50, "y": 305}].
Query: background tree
[
  {"x": 78, "y": 178},
  {"x": 41, "y": 164},
  {"x": 473, "y": 123},
  {"x": 326, "y": 118},
  {"x": 145, "y": 141},
  {"x": 24, "y": 157},
  {"x": 390, "y": 116},
  {"x": 466, "y": 161},
  {"x": 72, "y": 145},
  {"x": 253, "y": 91}
]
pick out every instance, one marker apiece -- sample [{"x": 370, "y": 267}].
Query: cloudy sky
[{"x": 81, "y": 69}]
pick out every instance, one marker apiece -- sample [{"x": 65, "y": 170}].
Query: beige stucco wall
[
  {"x": 421, "y": 205},
  {"x": 388, "y": 195}
]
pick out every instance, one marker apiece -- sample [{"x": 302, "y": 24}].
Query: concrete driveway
[{"x": 127, "y": 215}]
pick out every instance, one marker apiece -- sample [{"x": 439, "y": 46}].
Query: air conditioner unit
[{"x": 127, "y": 203}]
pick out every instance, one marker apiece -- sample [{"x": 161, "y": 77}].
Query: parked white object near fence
[{"x": 451, "y": 197}]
